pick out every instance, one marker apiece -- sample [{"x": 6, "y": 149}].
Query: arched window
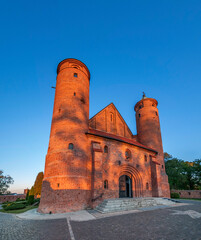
[
  {"x": 145, "y": 158},
  {"x": 106, "y": 184},
  {"x": 141, "y": 106},
  {"x": 147, "y": 185},
  {"x": 70, "y": 146},
  {"x": 82, "y": 100},
  {"x": 106, "y": 149},
  {"x": 111, "y": 117},
  {"x": 128, "y": 154}
]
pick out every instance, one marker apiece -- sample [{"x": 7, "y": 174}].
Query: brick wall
[
  {"x": 77, "y": 164},
  {"x": 11, "y": 198},
  {"x": 188, "y": 193}
]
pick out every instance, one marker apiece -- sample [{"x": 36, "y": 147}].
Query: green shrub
[
  {"x": 7, "y": 202},
  {"x": 175, "y": 195},
  {"x": 31, "y": 199},
  {"x": 13, "y": 206},
  {"x": 4, "y": 206},
  {"x": 27, "y": 195},
  {"x": 37, "y": 200},
  {"x": 7, "y": 205},
  {"x": 20, "y": 200},
  {"x": 24, "y": 202}
]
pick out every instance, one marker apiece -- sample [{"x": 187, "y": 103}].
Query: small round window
[{"x": 128, "y": 154}]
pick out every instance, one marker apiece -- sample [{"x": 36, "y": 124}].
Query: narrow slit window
[
  {"x": 106, "y": 184},
  {"x": 106, "y": 149},
  {"x": 111, "y": 117},
  {"x": 75, "y": 74},
  {"x": 145, "y": 158}
]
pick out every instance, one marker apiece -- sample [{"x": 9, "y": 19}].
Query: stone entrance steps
[{"x": 126, "y": 204}]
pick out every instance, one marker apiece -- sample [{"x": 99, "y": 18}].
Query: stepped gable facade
[{"x": 89, "y": 160}]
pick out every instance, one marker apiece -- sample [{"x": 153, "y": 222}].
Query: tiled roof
[{"x": 118, "y": 138}]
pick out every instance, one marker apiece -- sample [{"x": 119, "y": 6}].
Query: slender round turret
[
  {"x": 66, "y": 181},
  {"x": 148, "y": 125},
  {"x": 149, "y": 134}
]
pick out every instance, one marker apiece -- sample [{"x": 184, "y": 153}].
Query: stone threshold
[{"x": 98, "y": 214}]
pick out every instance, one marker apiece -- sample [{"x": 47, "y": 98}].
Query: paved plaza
[{"x": 178, "y": 222}]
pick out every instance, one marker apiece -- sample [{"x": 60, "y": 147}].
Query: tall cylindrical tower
[
  {"x": 149, "y": 134},
  {"x": 66, "y": 184}
]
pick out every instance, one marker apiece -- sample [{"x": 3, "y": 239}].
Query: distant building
[
  {"x": 26, "y": 191},
  {"x": 89, "y": 160}
]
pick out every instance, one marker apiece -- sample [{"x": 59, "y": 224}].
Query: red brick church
[{"x": 89, "y": 160}]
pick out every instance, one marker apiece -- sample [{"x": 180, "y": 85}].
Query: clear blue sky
[{"x": 128, "y": 46}]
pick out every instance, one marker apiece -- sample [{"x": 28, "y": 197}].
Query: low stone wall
[
  {"x": 11, "y": 198},
  {"x": 188, "y": 193}
]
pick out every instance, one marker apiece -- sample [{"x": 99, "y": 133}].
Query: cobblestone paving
[
  {"x": 158, "y": 224},
  {"x": 12, "y": 228}
]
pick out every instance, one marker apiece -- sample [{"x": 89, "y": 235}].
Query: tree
[
  {"x": 175, "y": 171},
  {"x": 167, "y": 156},
  {"x": 38, "y": 184},
  {"x": 5, "y": 182},
  {"x": 27, "y": 195},
  {"x": 197, "y": 169},
  {"x": 31, "y": 192},
  {"x": 181, "y": 174}
]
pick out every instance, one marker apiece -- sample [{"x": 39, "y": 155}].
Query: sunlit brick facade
[{"x": 89, "y": 160}]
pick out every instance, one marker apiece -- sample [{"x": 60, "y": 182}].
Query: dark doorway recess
[{"x": 125, "y": 187}]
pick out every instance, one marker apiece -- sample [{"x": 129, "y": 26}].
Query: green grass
[
  {"x": 16, "y": 211},
  {"x": 196, "y": 199}
]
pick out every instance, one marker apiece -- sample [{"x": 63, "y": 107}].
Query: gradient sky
[{"x": 128, "y": 46}]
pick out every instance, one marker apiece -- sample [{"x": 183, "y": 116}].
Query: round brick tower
[
  {"x": 66, "y": 183},
  {"x": 149, "y": 134}
]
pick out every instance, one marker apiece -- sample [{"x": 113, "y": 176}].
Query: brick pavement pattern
[
  {"x": 13, "y": 228},
  {"x": 161, "y": 224},
  {"x": 150, "y": 225}
]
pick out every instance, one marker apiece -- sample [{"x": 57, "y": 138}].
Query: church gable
[{"x": 110, "y": 120}]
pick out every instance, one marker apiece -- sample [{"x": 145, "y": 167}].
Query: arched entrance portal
[
  {"x": 125, "y": 186},
  {"x": 135, "y": 179}
]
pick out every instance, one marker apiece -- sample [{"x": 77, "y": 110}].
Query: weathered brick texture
[
  {"x": 188, "y": 193},
  {"x": 11, "y": 198},
  {"x": 101, "y": 150}
]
